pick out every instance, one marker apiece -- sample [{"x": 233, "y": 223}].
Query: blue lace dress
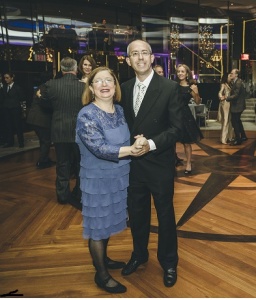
[{"x": 104, "y": 177}]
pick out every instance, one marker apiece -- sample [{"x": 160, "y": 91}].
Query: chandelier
[
  {"x": 174, "y": 37},
  {"x": 206, "y": 44},
  {"x": 216, "y": 57}
]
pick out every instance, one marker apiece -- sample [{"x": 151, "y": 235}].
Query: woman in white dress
[{"x": 224, "y": 116}]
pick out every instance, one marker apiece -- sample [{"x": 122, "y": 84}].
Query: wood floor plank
[{"x": 43, "y": 254}]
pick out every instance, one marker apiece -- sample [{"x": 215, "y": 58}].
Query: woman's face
[
  {"x": 103, "y": 86},
  {"x": 87, "y": 67},
  {"x": 181, "y": 73}
]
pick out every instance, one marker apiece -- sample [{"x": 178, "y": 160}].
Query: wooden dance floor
[{"x": 43, "y": 253}]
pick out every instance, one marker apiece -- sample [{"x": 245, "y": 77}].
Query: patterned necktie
[{"x": 140, "y": 96}]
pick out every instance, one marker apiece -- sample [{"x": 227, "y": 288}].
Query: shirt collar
[{"x": 146, "y": 82}]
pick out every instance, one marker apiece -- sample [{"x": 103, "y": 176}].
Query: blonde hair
[
  {"x": 88, "y": 96},
  {"x": 189, "y": 78}
]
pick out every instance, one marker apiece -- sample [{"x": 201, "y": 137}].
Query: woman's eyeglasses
[{"x": 107, "y": 81}]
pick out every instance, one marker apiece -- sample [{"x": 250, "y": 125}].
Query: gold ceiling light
[
  {"x": 174, "y": 37},
  {"x": 206, "y": 44}
]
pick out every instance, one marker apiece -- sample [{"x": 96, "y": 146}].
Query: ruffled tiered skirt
[{"x": 104, "y": 200}]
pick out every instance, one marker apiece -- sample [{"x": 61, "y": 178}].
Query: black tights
[{"x": 98, "y": 251}]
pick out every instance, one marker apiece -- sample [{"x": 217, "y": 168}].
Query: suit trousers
[
  {"x": 14, "y": 124},
  {"x": 44, "y": 136},
  {"x": 237, "y": 125},
  {"x": 139, "y": 208},
  {"x": 67, "y": 154}
]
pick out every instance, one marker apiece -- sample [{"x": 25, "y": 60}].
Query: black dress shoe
[
  {"x": 117, "y": 289},
  {"x": 187, "y": 172},
  {"x": 7, "y": 145},
  {"x": 170, "y": 277},
  {"x": 236, "y": 142},
  {"x": 62, "y": 202},
  {"x": 45, "y": 164},
  {"x": 243, "y": 139},
  {"x": 132, "y": 266}
]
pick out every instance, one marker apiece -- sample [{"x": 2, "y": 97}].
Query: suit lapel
[{"x": 130, "y": 111}]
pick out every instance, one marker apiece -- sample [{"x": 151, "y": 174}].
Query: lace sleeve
[{"x": 91, "y": 134}]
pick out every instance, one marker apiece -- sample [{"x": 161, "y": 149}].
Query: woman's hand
[
  {"x": 140, "y": 146},
  {"x": 194, "y": 88},
  {"x": 195, "y": 93}
]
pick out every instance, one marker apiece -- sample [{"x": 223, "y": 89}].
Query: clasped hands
[{"x": 140, "y": 146}]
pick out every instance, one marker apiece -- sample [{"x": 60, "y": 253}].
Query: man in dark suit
[
  {"x": 159, "y": 119},
  {"x": 13, "y": 97},
  {"x": 40, "y": 120},
  {"x": 237, "y": 106},
  {"x": 63, "y": 96}
]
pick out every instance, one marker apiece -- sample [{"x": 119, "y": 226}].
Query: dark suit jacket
[
  {"x": 38, "y": 115},
  {"x": 237, "y": 97},
  {"x": 64, "y": 97},
  {"x": 159, "y": 119},
  {"x": 14, "y": 97}
]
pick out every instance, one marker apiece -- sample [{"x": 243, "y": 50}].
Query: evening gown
[
  {"x": 192, "y": 132},
  {"x": 104, "y": 177}
]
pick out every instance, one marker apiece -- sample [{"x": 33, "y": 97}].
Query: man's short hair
[{"x": 68, "y": 64}]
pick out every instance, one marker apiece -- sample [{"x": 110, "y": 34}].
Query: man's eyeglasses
[
  {"x": 137, "y": 53},
  {"x": 107, "y": 81}
]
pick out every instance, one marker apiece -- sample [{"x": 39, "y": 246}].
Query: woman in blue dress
[
  {"x": 192, "y": 132},
  {"x": 104, "y": 141}
]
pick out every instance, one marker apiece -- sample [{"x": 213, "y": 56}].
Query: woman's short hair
[
  {"x": 88, "y": 97},
  {"x": 224, "y": 78}
]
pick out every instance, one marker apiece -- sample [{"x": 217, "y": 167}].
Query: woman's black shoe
[
  {"x": 117, "y": 289},
  {"x": 187, "y": 172},
  {"x": 113, "y": 264}
]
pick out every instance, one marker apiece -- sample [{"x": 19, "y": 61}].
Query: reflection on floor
[{"x": 30, "y": 142}]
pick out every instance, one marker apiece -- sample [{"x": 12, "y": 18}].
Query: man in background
[
  {"x": 159, "y": 70},
  {"x": 63, "y": 96},
  {"x": 237, "y": 106},
  {"x": 13, "y": 96}
]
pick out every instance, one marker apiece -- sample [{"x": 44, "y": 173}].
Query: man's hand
[
  {"x": 38, "y": 94},
  {"x": 140, "y": 146}
]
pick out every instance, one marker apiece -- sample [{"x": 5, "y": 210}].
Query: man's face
[
  {"x": 233, "y": 74},
  {"x": 159, "y": 71},
  {"x": 8, "y": 79},
  {"x": 140, "y": 58}
]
